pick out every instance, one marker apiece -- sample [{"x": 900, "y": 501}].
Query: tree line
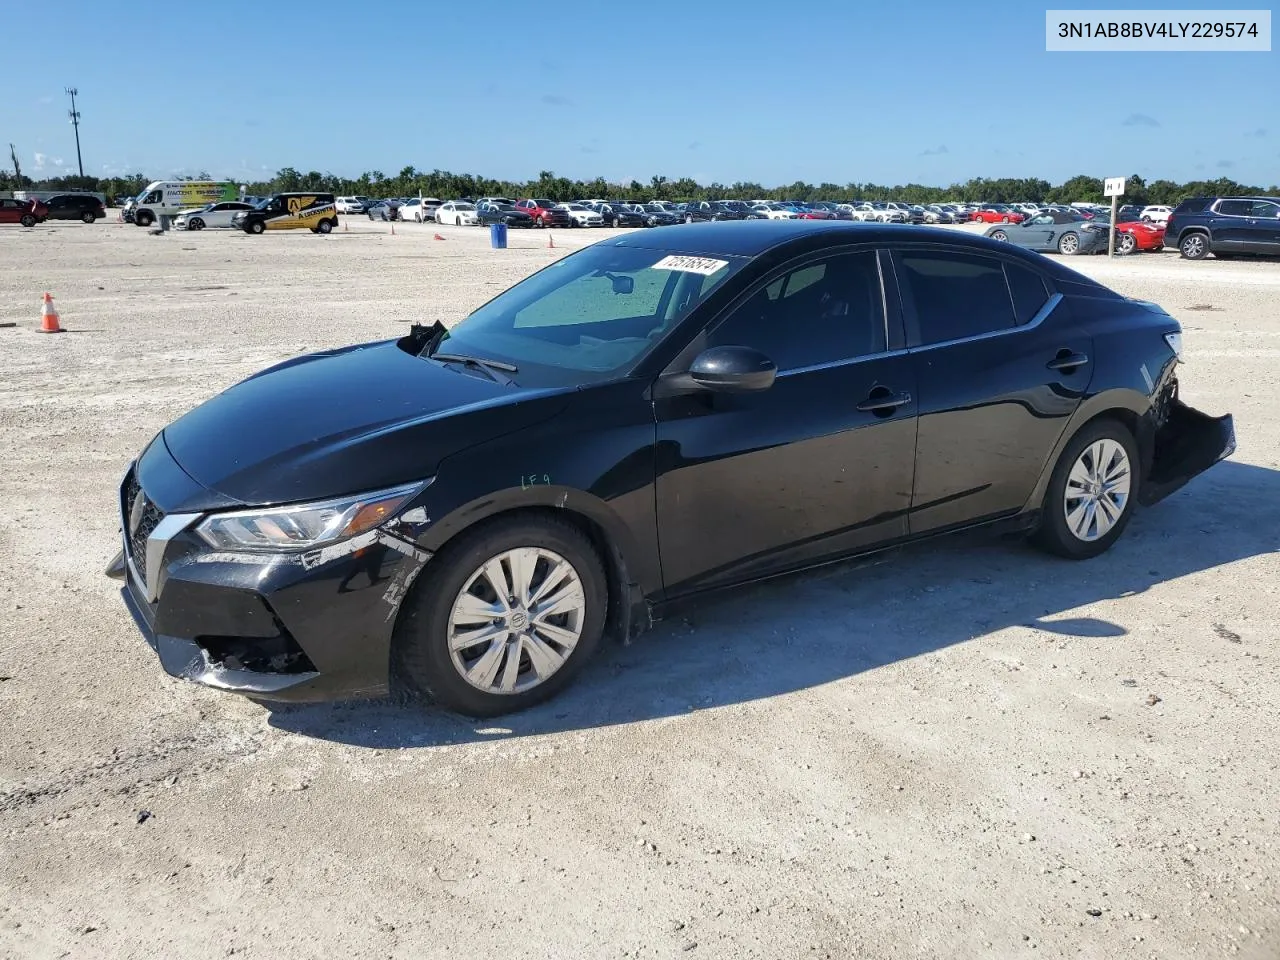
[{"x": 446, "y": 185}]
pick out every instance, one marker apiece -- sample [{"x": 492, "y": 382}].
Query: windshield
[
  {"x": 543, "y": 203},
  {"x": 596, "y": 312},
  {"x": 464, "y": 206}
]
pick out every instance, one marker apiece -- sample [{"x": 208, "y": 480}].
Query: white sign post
[{"x": 1113, "y": 187}]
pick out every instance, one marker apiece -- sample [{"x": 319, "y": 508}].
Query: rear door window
[
  {"x": 1027, "y": 289},
  {"x": 954, "y": 295},
  {"x": 1235, "y": 208}
]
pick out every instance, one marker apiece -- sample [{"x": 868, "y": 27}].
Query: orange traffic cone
[
  {"x": 551, "y": 242},
  {"x": 438, "y": 237},
  {"x": 49, "y": 320}
]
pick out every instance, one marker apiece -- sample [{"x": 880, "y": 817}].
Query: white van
[{"x": 170, "y": 197}]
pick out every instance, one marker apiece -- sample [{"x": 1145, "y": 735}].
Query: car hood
[{"x": 344, "y": 421}]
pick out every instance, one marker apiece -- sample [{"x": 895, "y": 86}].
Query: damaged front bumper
[
  {"x": 280, "y": 627},
  {"x": 1185, "y": 444}
]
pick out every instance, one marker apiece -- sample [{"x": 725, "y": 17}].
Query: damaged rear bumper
[{"x": 1186, "y": 444}]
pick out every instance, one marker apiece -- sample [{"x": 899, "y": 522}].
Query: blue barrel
[{"x": 498, "y": 236}]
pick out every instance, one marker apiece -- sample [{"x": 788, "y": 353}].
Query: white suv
[
  {"x": 1156, "y": 214},
  {"x": 349, "y": 205}
]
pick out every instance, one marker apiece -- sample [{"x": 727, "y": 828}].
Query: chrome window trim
[
  {"x": 830, "y": 364},
  {"x": 1049, "y": 306}
]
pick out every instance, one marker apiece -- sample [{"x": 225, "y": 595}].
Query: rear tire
[
  {"x": 422, "y": 654},
  {"x": 1126, "y": 243},
  {"x": 325, "y": 226},
  {"x": 1069, "y": 244},
  {"x": 998, "y": 235},
  {"x": 88, "y": 217},
  {"x": 1104, "y": 451}
]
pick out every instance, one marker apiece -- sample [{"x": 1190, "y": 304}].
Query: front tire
[
  {"x": 1092, "y": 492},
  {"x": 256, "y": 227},
  {"x": 27, "y": 220},
  {"x": 144, "y": 218},
  {"x": 196, "y": 224},
  {"x": 1194, "y": 246},
  {"x": 462, "y": 642}
]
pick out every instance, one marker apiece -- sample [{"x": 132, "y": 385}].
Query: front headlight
[
  {"x": 305, "y": 525},
  {"x": 1174, "y": 340}
]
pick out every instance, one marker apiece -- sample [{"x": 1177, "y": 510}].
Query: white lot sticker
[{"x": 702, "y": 265}]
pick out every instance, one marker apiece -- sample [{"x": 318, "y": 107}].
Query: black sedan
[
  {"x": 466, "y": 512},
  {"x": 703, "y": 211},
  {"x": 492, "y": 211},
  {"x": 656, "y": 215},
  {"x": 620, "y": 215}
]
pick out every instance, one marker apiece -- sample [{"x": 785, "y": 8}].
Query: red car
[
  {"x": 1137, "y": 235},
  {"x": 26, "y": 212},
  {"x": 815, "y": 213},
  {"x": 544, "y": 213},
  {"x": 997, "y": 214}
]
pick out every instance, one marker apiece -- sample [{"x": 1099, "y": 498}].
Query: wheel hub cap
[
  {"x": 1097, "y": 490},
  {"x": 516, "y": 620}
]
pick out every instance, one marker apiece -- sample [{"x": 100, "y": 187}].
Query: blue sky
[{"x": 928, "y": 91}]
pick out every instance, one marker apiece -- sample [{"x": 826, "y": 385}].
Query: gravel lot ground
[{"x": 966, "y": 750}]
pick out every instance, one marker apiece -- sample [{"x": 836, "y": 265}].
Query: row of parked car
[
  {"x": 71, "y": 206},
  {"x": 1197, "y": 226},
  {"x": 615, "y": 213}
]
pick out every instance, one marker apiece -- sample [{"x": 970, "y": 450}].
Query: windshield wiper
[{"x": 496, "y": 369}]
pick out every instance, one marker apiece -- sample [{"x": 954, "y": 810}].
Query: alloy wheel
[
  {"x": 1097, "y": 490},
  {"x": 516, "y": 620}
]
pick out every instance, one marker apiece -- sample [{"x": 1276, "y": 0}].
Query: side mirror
[
  {"x": 733, "y": 369},
  {"x": 623, "y": 284}
]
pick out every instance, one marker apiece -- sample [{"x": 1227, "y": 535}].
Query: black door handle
[
  {"x": 1067, "y": 360},
  {"x": 882, "y": 400}
]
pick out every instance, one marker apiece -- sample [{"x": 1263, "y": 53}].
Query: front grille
[{"x": 147, "y": 521}]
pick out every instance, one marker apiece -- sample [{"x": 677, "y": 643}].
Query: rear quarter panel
[{"x": 1132, "y": 363}]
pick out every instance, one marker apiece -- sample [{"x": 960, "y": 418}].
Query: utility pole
[{"x": 75, "y": 121}]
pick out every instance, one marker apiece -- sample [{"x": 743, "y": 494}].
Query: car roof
[{"x": 753, "y": 238}]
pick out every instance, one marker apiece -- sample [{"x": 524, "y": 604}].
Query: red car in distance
[
  {"x": 26, "y": 212},
  {"x": 545, "y": 213},
  {"x": 1138, "y": 235},
  {"x": 997, "y": 213}
]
